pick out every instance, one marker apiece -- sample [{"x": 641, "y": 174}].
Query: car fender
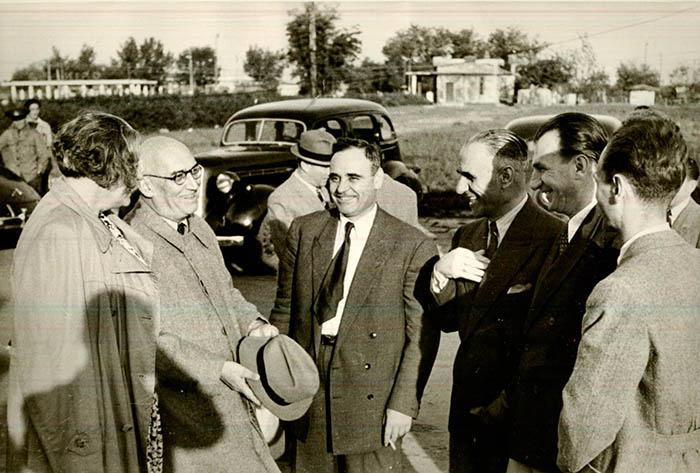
[{"x": 249, "y": 207}]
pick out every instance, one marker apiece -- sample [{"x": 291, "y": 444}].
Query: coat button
[
  {"x": 223, "y": 331},
  {"x": 127, "y": 428},
  {"x": 370, "y": 397},
  {"x": 373, "y": 335},
  {"x": 367, "y": 366}
]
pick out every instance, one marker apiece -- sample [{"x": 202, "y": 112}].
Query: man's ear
[
  {"x": 506, "y": 176},
  {"x": 379, "y": 178},
  {"x": 145, "y": 187},
  {"x": 581, "y": 164},
  {"x": 619, "y": 186}
]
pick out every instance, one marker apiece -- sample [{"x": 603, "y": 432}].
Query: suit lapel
[
  {"x": 377, "y": 249},
  {"x": 557, "y": 270},
  {"x": 512, "y": 253}
]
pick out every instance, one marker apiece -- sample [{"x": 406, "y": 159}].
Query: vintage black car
[
  {"x": 526, "y": 128},
  {"x": 254, "y": 156},
  {"x": 17, "y": 201}
]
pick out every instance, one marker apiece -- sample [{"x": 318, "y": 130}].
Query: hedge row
[
  {"x": 176, "y": 112},
  {"x": 147, "y": 114}
]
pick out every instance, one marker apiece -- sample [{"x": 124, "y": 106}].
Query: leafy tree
[
  {"x": 418, "y": 45},
  {"x": 335, "y": 48},
  {"x": 546, "y": 72},
  {"x": 630, "y": 74},
  {"x": 686, "y": 74},
  {"x": 203, "y": 65},
  {"x": 265, "y": 66},
  {"x": 149, "y": 61},
  {"x": 371, "y": 76},
  {"x": 84, "y": 67},
  {"x": 502, "y": 43},
  {"x": 154, "y": 60},
  {"x": 127, "y": 62},
  {"x": 466, "y": 43},
  {"x": 32, "y": 72}
]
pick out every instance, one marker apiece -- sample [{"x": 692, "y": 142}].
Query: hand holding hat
[{"x": 287, "y": 378}]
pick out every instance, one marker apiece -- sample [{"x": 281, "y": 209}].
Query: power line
[{"x": 624, "y": 27}]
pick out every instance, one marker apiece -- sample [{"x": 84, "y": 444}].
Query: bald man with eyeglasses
[{"x": 207, "y": 409}]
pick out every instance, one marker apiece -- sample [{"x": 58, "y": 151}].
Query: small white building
[
  {"x": 464, "y": 81},
  {"x": 642, "y": 94}
]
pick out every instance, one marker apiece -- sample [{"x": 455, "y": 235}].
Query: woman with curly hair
[{"x": 82, "y": 359}]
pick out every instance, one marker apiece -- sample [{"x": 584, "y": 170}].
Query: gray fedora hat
[
  {"x": 288, "y": 375},
  {"x": 315, "y": 146}
]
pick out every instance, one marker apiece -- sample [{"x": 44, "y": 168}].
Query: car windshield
[{"x": 264, "y": 131}]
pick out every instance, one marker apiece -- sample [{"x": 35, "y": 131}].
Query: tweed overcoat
[
  {"x": 632, "y": 404},
  {"x": 293, "y": 198},
  {"x": 489, "y": 315},
  {"x": 551, "y": 332},
  {"x": 83, "y": 351},
  {"x": 687, "y": 224},
  {"x": 385, "y": 348},
  {"x": 206, "y": 425}
]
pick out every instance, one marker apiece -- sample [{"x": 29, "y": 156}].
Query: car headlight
[{"x": 224, "y": 182}]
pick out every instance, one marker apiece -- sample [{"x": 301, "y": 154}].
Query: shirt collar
[
  {"x": 678, "y": 208},
  {"x": 173, "y": 224},
  {"x": 576, "y": 221},
  {"x": 504, "y": 221},
  {"x": 662, "y": 227},
  {"x": 363, "y": 224},
  {"x": 297, "y": 174}
]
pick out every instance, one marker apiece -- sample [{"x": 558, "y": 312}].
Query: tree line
[
  {"x": 148, "y": 60},
  {"x": 325, "y": 57}
]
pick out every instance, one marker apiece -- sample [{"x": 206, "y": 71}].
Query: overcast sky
[{"x": 658, "y": 31}]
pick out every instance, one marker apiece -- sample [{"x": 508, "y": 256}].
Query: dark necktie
[
  {"x": 563, "y": 242},
  {"x": 492, "y": 240},
  {"x": 332, "y": 288},
  {"x": 182, "y": 228}
]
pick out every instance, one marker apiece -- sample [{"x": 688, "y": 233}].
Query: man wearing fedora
[
  {"x": 348, "y": 292},
  {"x": 206, "y": 406},
  {"x": 305, "y": 191},
  {"x": 23, "y": 149}
]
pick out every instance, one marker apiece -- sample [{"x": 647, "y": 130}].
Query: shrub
[{"x": 146, "y": 114}]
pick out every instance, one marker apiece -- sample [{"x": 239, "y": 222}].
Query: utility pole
[
  {"x": 189, "y": 56},
  {"x": 216, "y": 57},
  {"x": 661, "y": 67},
  {"x": 645, "y": 53},
  {"x": 312, "y": 48}
]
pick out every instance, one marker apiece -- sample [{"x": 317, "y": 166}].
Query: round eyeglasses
[{"x": 181, "y": 176}]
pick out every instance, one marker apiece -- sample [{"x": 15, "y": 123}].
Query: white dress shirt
[
  {"x": 678, "y": 208},
  {"x": 575, "y": 222},
  {"x": 438, "y": 281},
  {"x": 358, "y": 239}
]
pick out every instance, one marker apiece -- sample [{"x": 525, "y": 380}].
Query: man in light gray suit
[
  {"x": 632, "y": 403},
  {"x": 206, "y": 406}
]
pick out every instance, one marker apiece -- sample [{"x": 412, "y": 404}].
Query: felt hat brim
[{"x": 248, "y": 349}]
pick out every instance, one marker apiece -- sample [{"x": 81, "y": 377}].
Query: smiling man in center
[{"x": 348, "y": 293}]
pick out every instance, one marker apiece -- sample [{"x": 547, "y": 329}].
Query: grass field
[{"x": 431, "y": 136}]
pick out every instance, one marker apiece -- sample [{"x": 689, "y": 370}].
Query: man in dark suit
[
  {"x": 483, "y": 288},
  {"x": 632, "y": 403},
  {"x": 684, "y": 213},
  {"x": 359, "y": 315},
  {"x": 567, "y": 148}
]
